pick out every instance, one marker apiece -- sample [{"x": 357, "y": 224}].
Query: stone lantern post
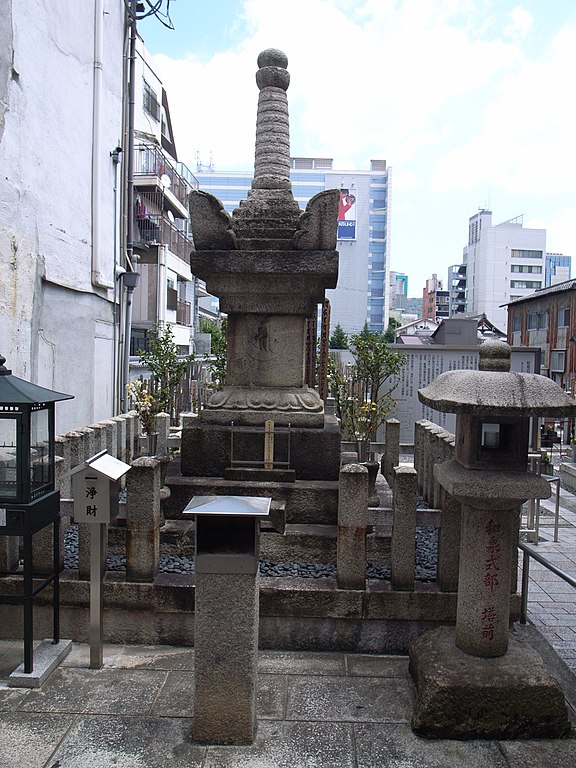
[{"x": 490, "y": 479}]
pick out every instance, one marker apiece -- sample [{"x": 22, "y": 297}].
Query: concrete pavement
[{"x": 315, "y": 710}]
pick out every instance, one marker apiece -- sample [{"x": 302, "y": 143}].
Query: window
[
  {"x": 517, "y": 323},
  {"x": 557, "y": 360},
  {"x": 533, "y": 284},
  {"x": 151, "y": 104},
  {"x": 564, "y": 317},
  {"x": 542, "y": 320},
  {"x": 532, "y": 321},
  {"x": 534, "y": 269},
  {"x": 518, "y": 254}
]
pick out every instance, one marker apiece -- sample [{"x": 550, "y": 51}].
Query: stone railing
[{"x": 433, "y": 445}]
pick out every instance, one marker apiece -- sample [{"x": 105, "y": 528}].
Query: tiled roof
[{"x": 567, "y": 285}]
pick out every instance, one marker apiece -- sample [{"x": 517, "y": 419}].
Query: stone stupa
[{"x": 269, "y": 264}]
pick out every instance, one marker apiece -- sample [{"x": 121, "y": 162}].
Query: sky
[{"x": 470, "y": 102}]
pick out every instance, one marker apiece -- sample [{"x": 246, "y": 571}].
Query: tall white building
[
  {"x": 362, "y": 293},
  {"x": 503, "y": 262}
]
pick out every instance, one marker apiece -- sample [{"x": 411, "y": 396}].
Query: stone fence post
[
  {"x": 143, "y": 519},
  {"x": 391, "y": 456},
  {"x": 163, "y": 429},
  {"x": 352, "y": 524},
  {"x": 403, "y": 544},
  {"x": 420, "y": 437}
]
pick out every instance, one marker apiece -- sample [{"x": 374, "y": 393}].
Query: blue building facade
[
  {"x": 362, "y": 293},
  {"x": 557, "y": 269}
]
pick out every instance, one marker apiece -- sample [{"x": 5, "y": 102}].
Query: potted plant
[{"x": 146, "y": 406}]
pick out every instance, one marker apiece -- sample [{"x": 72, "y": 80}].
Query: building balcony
[
  {"x": 156, "y": 230},
  {"x": 183, "y": 312},
  {"x": 153, "y": 173}
]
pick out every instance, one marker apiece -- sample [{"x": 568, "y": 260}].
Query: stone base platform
[
  {"x": 314, "y": 451},
  {"x": 465, "y": 697}
]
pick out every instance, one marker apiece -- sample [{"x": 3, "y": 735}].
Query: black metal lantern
[
  {"x": 28, "y": 499},
  {"x": 26, "y": 439}
]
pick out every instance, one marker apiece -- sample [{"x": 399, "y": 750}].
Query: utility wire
[{"x": 155, "y": 10}]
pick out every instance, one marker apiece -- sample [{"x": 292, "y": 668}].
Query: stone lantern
[
  {"x": 28, "y": 500},
  {"x": 489, "y": 477}
]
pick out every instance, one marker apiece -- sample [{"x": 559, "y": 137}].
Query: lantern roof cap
[
  {"x": 14, "y": 390},
  {"x": 494, "y": 390}
]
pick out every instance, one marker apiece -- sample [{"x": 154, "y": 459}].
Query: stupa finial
[{"x": 272, "y": 153}]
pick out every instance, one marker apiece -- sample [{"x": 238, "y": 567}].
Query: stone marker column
[
  {"x": 352, "y": 523},
  {"x": 143, "y": 520},
  {"x": 403, "y": 544}
]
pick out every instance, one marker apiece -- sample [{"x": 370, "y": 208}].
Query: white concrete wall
[{"x": 56, "y": 327}]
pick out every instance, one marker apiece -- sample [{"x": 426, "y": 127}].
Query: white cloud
[
  {"x": 524, "y": 139},
  {"x": 520, "y": 25}
]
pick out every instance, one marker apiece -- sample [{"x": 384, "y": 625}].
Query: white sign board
[{"x": 91, "y": 497}]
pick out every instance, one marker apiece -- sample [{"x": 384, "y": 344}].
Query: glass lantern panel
[
  {"x": 8, "y": 457},
  {"x": 40, "y": 456}
]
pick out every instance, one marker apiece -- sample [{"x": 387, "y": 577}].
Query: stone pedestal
[
  {"x": 225, "y": 657},
  {"x": 466, "y": 697}
]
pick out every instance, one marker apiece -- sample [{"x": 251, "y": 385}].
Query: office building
[
  {"x": 504, "y": 262},
  {"x": 558, "y": 268},
  {"x": 362, "y": 293},
  {"x": 457, "y": 290},
  {"x": 434, "y": 300},
  {"x": 398, "y": 290}
]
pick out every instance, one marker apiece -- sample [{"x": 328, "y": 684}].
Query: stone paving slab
[
  {"x": 128, "y": 742},
  {"x": 554, "y": 753},
  {"x": 395, "y": 746},
  {"x": 105, "y": 691},
  {"x": 290, "y": 745},
  {"x": 27, "y": 740},
  {"x": 350, "y": 699},
  {"x": 301, "y": 663}
]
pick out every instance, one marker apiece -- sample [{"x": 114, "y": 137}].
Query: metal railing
[
  {"x": 155, "y": 229},
  {"x": 149, "y": 160},
  {"x": 527, "y": 553}
]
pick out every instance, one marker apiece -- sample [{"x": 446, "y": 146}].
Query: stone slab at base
[
  {"x": 245, "y": 474},
  {"x": 466, "y": 697},
  {"x": 47, "y": 656}
]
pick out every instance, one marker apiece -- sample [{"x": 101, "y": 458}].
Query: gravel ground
[{"x": 426, "y": 555}]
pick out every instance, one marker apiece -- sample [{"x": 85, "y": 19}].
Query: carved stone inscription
[{"x": 266, "y": 350}]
